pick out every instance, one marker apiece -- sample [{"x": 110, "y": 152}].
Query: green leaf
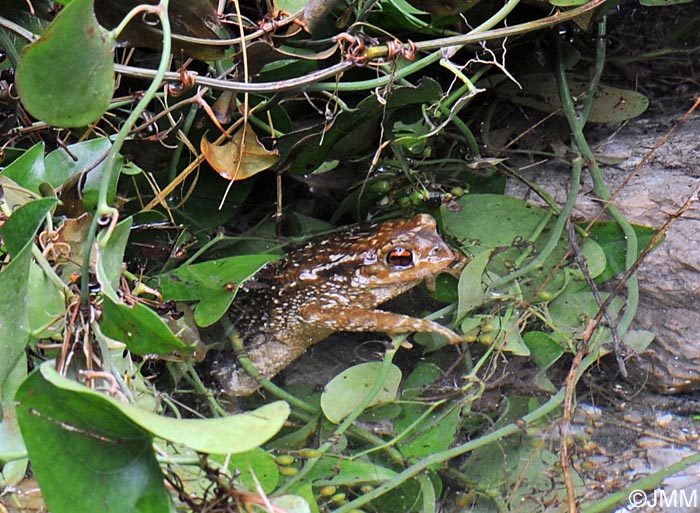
[
  {"x": 12, "y": 465},
  {"x": 214, "y": 284},
  {"x": 291, "y": 504},
  {"x": 14, "y": 326},
  {"x": 109, "y": 459},
  {"x": 594, "y": 256},
  {"x": 543, "y": 348},
  {"x": 253, "y": 467},
  {"x": 28, "y": 171},
  {"x": 81, "y": 171},
  {"x": 46, "y": 303},
  {"x": 638, "y": 340},
  {"x": 140, "y": 328},
  {"x": 348, "y": 389},
  {"x": 304, "y": 151},
  {"x": 21, "y": 226},
  {"x": 472, "y": 292},
  {"x": 611, "y": 239},
  {"x": 432, "y": 434},
  {"x": 492, "y": 219},
  {"x": 336, "y": 471},
  {"x": 567, "y": 3},
  {"x": 18, "y": 233},
  {"x": 111, "y": 257},
  {"x": 516, "y": 472},
  {"x": 662, "y": 3},
  {"x": 516, "y": 230},
  {"x": 66, "y": 77}
]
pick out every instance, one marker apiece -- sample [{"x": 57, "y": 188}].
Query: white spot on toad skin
[
  {"x": 308, "y": 275},
  {"x": 370, "y": 258}
]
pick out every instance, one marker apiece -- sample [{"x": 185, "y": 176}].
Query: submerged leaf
[{"x": 610, "y": 104}]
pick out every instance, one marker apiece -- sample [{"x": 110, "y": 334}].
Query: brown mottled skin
[{"x": 334, "y": 284}]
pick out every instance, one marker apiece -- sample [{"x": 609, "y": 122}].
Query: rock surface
[{"x": 669, "y": 279}]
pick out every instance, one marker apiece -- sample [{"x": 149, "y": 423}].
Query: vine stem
[
  {"x": 602, "y": 192},
  {"x": 557, "y": 229},
  {"x": 104, "y": 210},
  {"x": 312, "y": 81}
]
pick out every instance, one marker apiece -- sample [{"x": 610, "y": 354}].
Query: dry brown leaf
[{"x": 241, "y": 157}]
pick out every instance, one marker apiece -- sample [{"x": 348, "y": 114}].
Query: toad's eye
[{"x": 400, "y": 257}]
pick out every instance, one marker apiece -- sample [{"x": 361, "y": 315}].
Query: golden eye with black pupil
[{"x": 399, "y": 257}]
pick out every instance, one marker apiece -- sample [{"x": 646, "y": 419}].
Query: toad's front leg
[{"x": 349, "y": 318}]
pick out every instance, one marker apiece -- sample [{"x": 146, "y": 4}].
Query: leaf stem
[
  {"x": 602, "y": 192},
  {"x": 557, "y": 229},
  {"x": 104, "y": 210}
]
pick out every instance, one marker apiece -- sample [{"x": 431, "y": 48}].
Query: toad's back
[{"x": 333, "y": 284}]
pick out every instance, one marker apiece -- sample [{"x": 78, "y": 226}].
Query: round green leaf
[
  {"x": 349, "y": 388},
  {"x": 66, "y": 77},
  {"x": 252, "y": 468},
  {"x": 595, "y": 257}
]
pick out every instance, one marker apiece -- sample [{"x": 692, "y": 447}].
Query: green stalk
[
  {"x": 557, "y": 229},
  {"x": 602, "y": 192},
  {"x": 104, "y": 210}
]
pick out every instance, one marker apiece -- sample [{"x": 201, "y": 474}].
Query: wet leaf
[
  {"x": 349, "y": 388},
  {"x": 66, "y": 77},
  {"x": 241, "y": 157}
]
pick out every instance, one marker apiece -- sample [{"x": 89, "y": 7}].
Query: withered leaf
[{"x": 241, "y": 157}]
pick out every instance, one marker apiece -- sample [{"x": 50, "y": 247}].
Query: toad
[{"x": 335, "y": 284}]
